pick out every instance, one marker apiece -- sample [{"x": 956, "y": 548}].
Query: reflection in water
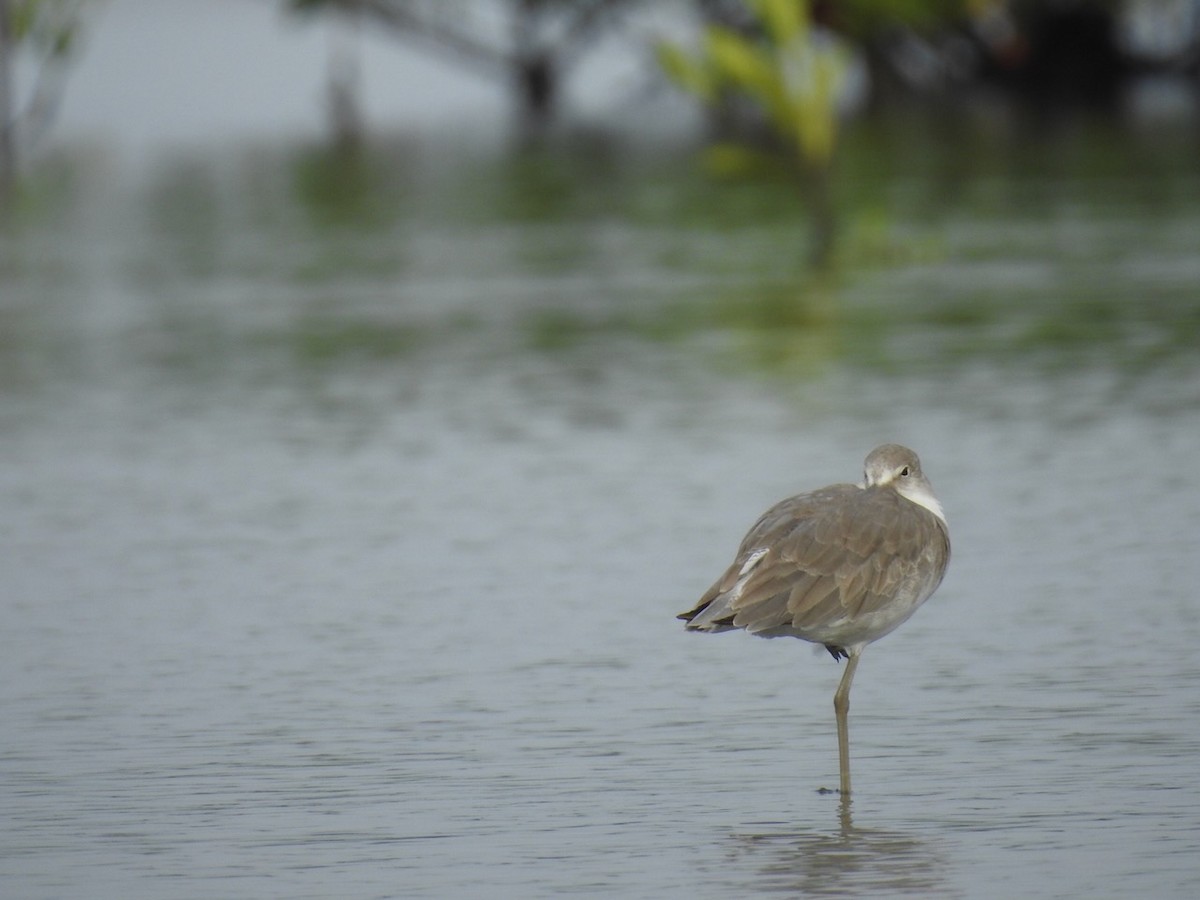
[
  {"x": 394, "y": 247},
  {"x": 844, "y": 861}
]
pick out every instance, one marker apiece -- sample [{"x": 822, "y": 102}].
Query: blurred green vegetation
[
  {"x": 1056, "y": 252},
  {"x": 37, "y": 41},
  {"x": 785, "y": 68},
  {"x": 796, "y": 76}
]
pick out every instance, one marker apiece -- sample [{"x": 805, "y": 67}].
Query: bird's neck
[{"x": 922, "y": 496}]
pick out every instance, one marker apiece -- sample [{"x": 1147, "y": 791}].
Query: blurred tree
[
  {"x": 781, "y": 65},
  {"x": 45, "y": 32},
  {"x": 882, "y": 31},
  {"x": 797, "y": 66},
  {"x": 1063, "y": 55},
  {"x": 791, "y": 71},
  {"x": 345, "y": 113},
  {"x": 534, "y": 46}
]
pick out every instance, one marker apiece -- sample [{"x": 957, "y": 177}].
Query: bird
[{"x": 841, "y": 566}]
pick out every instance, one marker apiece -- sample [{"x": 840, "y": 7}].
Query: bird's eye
[{"x": 904, "y": 472}]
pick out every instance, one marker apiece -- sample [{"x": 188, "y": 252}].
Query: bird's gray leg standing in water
[
  {"x": 841, "y": 709},
  {"x": 840, "y": 566}
]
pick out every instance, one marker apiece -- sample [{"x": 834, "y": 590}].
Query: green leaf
[
  {"x": 741, "y": 62},
  {"x": 686, "y": 71},
  {"x": 783, "y": 19}
]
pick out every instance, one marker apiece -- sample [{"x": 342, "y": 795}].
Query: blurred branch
[
  {"x": 48, "y": 31},
  {"x": 544, "y": 39},
  {"x": 585, "y": 25},
  {"x": 404, "y": 19},
  {"x": 8, "y": 151}
]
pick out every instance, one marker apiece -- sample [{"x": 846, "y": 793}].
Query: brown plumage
[{"x": 840, "y": 566}]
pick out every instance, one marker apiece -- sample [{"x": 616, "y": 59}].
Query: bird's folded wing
[{"x": 832, "y": 554}]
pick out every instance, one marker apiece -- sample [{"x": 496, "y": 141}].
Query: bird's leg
[{"x": 841, "y": 707}]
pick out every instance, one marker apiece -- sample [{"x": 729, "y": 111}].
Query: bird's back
[{"x": 842, "y": 566}]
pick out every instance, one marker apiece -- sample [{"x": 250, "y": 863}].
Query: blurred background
[{"x": 378, "y": 378}]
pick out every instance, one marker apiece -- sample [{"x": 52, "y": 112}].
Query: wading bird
[{"x": 840, "y": 566}]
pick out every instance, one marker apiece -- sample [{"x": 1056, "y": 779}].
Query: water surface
[{"x": 343, "y": 531}]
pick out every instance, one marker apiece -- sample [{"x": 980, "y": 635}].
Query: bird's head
[{"x": 897, "y": 467}]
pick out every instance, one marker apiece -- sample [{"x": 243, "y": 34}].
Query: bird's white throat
[
  {"x": 921, "y": 495},
  {"x": 918, "y": 491}
]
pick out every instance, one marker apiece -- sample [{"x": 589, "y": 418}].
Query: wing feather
[{"x": 838, "y": 553}]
